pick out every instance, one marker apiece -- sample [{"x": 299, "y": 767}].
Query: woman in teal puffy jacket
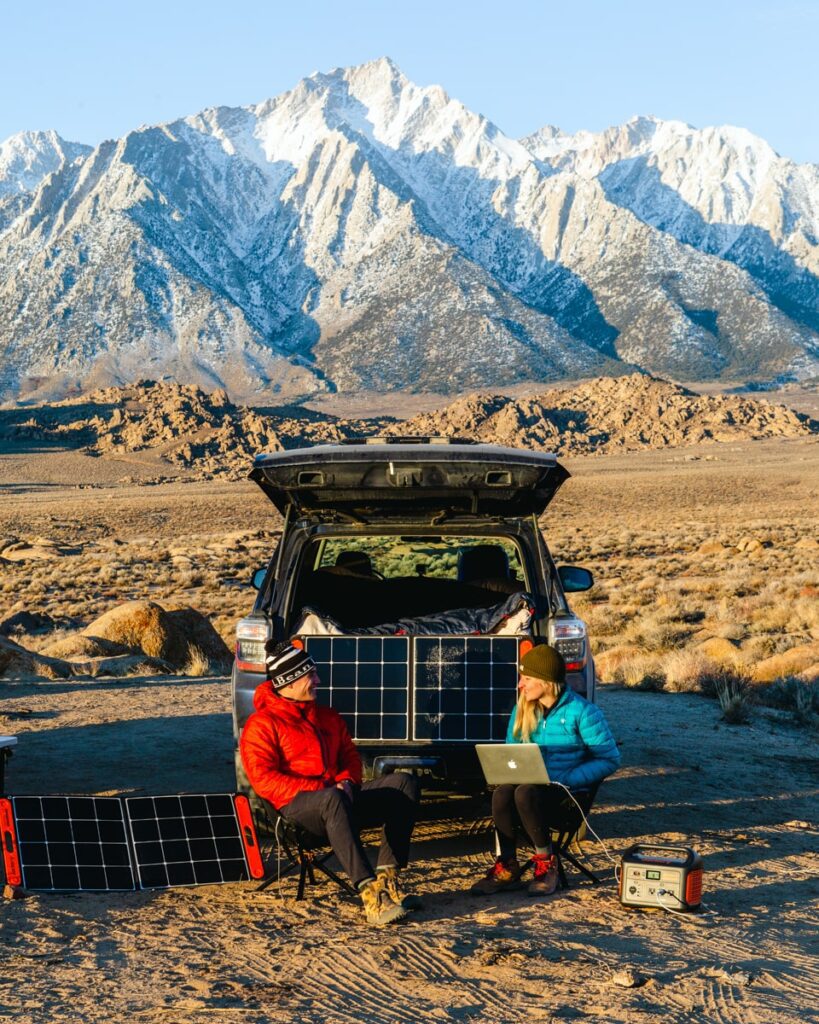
[{"x": 580, "y": 752}]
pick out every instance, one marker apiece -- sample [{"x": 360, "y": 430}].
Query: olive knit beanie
[{"x": 544, "y": 662}]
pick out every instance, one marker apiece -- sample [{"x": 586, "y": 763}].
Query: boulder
[
  {"x": 18, "y": 663},
  {"x": 27, "y": 622},
  {"x": 797, "y": 660},
  {"x": 711, "y": 547},
  {"x": 140, "y": 625},
  {"x": 194, "y": 629},
  {"x": 80, "y": 646},
  {"x": 720, "y": 650},
  {"x": 160, "y": 633}
]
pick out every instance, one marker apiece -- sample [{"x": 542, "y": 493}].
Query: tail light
[
  {"x": 251, "y": 635},
  {"x": 568, "y": 635}
]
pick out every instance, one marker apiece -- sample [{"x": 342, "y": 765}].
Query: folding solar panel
[
  {"x": 192, "y": 839},
  {"x": 367, "y": 678},
  {"x": 463, "y": 687},
  {"x": 58, "y": 843},
  {"x": 70, "y": 843}
]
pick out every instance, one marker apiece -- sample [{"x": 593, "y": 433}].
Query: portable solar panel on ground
[
  {"x": 185, "y": 840},
  {"x": 73, "y": 842}
]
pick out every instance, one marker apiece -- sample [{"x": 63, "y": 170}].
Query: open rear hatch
[{"x": 409, "y": 480}]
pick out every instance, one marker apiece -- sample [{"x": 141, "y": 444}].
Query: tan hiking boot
[
  {"x": 545, "y": 881},
  {"x": 503, "y": 876},
  {"x": 391, "y": 879},
  {"x": 379, "y": 907}
]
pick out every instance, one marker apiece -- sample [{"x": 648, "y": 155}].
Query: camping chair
[
  {"x": 566, "y": 833},
  {"x": 303, "y": 851}
]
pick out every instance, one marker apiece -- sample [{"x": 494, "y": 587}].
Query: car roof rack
[{"x": 408, "y": 439}]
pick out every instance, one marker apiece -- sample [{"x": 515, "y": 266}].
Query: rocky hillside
[
  {"x": 611, "y": 414},
  {"x": 362, "y": 232},
  {"x": 192, "y": 432}
]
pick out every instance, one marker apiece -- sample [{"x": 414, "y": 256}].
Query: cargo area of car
[{"x": 430, "y": 656}]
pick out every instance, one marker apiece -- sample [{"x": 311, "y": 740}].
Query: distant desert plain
[{"x": 698, "y": 515}]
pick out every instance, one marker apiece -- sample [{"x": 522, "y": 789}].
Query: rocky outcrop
[
  {"x": 166, "y": 634},
  {"x": 609, "y": 415},
  {"x": 205, "y": 435}
]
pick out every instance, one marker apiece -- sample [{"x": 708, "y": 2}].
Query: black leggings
[{"x": 538, "y": 809}]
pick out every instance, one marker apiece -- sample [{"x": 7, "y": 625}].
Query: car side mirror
[
  {"x": 257, "y": 579},
  {"x": 574, "y": 579}
]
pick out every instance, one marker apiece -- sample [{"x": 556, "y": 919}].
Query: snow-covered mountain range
[{"x": 362, "y": 232}]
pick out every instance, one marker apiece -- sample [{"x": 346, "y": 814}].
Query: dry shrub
[
  {"x": 656, "y": 632},
  {"x": 807, "y": 702},
  {"x": 197, "y": 663},
  {"x": 792, "y": 694},
  {"x": 735, "y": 694},
  {"x": 688, "y": 671},
  {"x": 642, "y": 672}
]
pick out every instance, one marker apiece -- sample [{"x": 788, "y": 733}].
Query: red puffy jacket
[{"x": 289, "y": 747}]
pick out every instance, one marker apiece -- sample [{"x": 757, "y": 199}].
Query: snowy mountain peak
[
  {"x": 362, "y": 231},
  {"x": 27, "y": 157}
]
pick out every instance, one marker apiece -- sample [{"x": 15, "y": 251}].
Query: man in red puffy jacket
[{"x": 299, "y": 756}]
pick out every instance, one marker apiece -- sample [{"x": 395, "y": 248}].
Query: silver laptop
[{"x": 518, "y": 763}]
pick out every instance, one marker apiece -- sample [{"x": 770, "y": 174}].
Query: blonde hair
[{"x": 528, "y": 713}]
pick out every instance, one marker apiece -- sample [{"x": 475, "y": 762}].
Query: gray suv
[{"x": 414, "y": 572}]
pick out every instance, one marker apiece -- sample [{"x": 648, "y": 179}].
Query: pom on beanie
[{"x": 285, "y": 663}]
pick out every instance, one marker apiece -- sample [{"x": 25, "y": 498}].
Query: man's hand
[{"x": 347, "y": 788}]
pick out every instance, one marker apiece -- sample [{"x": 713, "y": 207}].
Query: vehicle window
[{"x": 435, "y": 557}]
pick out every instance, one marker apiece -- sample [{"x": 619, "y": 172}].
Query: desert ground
[{"x": 707, "y": 583}]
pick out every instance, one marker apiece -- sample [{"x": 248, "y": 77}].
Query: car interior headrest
[
  {"x": 483, "y": 561},
  {"x": 357, "y": 562}
]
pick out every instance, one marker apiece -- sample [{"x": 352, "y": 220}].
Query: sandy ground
[{"x": 743, "y": 796}]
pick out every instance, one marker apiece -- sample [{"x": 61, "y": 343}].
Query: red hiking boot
[
  {"x": 545, "y": 881},
  {"x": 501, "y": 877}
]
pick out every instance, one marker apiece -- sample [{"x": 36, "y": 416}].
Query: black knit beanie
[
  {"x": 546, "y": 663},
  {"x": 285, "y": 663}
]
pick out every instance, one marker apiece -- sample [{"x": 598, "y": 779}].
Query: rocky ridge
[
  {"x": 610, "y": 415},
  {"x": 362, "y": 232},
  {"x": 197, "y": 434}
]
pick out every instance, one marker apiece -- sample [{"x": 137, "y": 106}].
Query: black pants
[
  {"x": 537, "y": 808},
  {"x": 391, "y": 801}
]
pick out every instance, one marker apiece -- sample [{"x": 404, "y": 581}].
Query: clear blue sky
[{"x": 94, "y": 70}]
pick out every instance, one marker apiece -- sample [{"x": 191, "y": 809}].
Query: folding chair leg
[
  {"x": 305, "y": 867},
  {"x": 580, "y": 867},
  {"x": 277, "y": 877},
  {"x": 341, "y": 882},
  {"x": 561, "y": 872}
]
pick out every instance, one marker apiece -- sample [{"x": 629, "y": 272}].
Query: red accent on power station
[{"x": 693, "y": 888}]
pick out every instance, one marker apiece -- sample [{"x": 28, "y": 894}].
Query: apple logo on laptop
[{"x": 512, "y": 764}]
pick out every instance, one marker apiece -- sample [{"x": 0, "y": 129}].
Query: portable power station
[{"x": 661, "y": 876}]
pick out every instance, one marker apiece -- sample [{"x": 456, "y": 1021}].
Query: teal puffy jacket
[{"x": 579, "y": 747}]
